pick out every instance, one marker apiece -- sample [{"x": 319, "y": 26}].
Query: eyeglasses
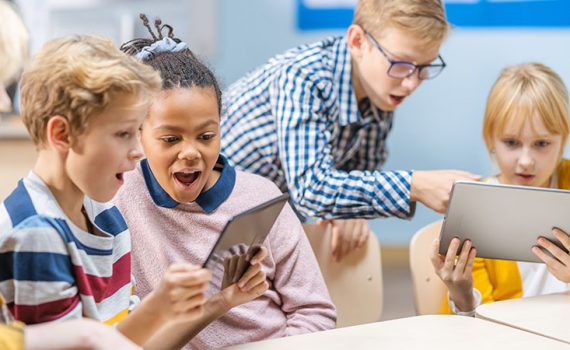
[{"x": 404, "y": 69}]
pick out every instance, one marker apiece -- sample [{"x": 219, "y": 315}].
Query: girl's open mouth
[{"x": 187, "y": 179}]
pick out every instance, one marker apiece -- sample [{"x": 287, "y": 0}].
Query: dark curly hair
[{"x": 177, "y": 69}]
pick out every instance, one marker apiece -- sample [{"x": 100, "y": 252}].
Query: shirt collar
[
  {"x": 208, "y": 201},
  {"x": 349, "y": 106}
]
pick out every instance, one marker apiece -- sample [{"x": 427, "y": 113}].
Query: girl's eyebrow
[
  {"x": 544, "y": 136},
  {"x": 180, "y": 129},
  {"x": 169, "y": 128},
  {"x": 208, "y": 123}
]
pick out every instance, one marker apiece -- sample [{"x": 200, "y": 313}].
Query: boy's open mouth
[
  {"x": 396, "y": 100},
  {"x": 119, "y": 176},
  {"x": 187, "y": 178}
]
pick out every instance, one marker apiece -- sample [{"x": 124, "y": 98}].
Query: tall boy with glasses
[{"x": 315, "y": 119}]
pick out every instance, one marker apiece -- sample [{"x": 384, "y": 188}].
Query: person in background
[{"x": 314, "y": 120}]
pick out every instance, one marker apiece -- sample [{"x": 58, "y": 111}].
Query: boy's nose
[
  {"x": 136, "y": 151},
  {"x": 412, "y": 82},
  {"x": 136, "y": 154}
]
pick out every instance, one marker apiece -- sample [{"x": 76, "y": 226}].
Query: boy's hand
[
  {"x": 559, "y": 263},
  {"x": 433, "y": 187},
  {"x": 347, "y": 235},
  {"x": 76, "y": 334},
  {"x": 456, "y": 273},
  {"x": 180, "y": 294},
  {"x": 250, "y": 286}
]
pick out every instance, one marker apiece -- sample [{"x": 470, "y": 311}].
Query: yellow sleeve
[
  {"x": 11, "y": 337},
  {"x": 497, "y": 279},
  {"x": 483, "y": 279}
]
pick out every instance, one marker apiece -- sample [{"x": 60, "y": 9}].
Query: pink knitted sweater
[{"x": 164, "y": 232}]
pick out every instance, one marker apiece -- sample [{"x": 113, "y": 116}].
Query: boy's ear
[
  {"x": 58, "y": 133},
  {"x": 356, "y": 40}
]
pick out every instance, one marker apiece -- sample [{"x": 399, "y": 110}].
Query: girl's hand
[
  {"x": 456, "y": 273},
  {"x": 559, "y": 263},
  {"x": 250, "y": 286}
]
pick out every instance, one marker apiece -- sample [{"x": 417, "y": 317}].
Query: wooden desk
[
  {"x": 546, "y": 315},
  {"x": 438, "y": 332}
]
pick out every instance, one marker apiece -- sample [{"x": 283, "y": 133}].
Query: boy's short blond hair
[
  {"x": 524, "y": 92},
  {"x": 77, "y": 77},
  {"x": 14, "y": 42},
  {"x": 424, "y": 19}
]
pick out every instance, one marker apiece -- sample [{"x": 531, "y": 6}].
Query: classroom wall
[{"x": 437, "y": 128}]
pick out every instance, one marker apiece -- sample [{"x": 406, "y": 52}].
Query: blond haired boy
[
  {"x": 315, "y": 119},
  {"x": 64, "y": 251}
]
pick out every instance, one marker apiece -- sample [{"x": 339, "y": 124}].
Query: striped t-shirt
[{"x": 50, "y": 269}]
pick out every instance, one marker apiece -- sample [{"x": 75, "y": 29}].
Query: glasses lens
[
  {"x": 430, "y": 72},
  {"x": 401, "y": 70}
]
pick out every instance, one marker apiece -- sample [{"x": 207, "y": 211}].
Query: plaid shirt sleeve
[{"x": 318, "y": 189}]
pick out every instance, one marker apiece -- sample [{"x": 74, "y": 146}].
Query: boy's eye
[
  {"x": 124, "y": 134},
  {"x": 170, "y": 139}
]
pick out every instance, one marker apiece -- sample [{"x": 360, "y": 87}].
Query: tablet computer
[
  {"x": 244, "y": 234},
  {"x": 504, "y": 221}
]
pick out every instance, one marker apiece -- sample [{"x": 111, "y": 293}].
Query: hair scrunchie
[{"x": 164, "y": 45}]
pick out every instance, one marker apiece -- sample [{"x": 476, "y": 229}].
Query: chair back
[
  {"x": 354, "y": 283},
  {"x": 429, "y": 290}
]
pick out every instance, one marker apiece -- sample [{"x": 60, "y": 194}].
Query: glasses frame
[{"x": 416, "y": 67}]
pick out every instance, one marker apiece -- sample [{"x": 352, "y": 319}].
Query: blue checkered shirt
[{"x": 296, "y": 121}]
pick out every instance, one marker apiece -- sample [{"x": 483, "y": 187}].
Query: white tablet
[{"x": 504, "y": 221}]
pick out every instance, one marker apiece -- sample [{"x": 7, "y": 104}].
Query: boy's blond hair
[
  {"x": 424, "y": 19},
  {"x": 77, "y": 77},
  {"x": 14, "y": 41},
  {"x": 522, "y": 93}
]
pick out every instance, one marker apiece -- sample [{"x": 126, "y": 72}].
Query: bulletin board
[{"x": 337, "y": 14}]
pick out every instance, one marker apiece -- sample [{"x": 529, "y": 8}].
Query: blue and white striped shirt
[
  {"x": 51, "y": 269},
  {"x": 296, "y": 121}
]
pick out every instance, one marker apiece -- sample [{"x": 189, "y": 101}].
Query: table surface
[
  {"x": 421, "y": 332},
  {"x": 547, "y": 315}
]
